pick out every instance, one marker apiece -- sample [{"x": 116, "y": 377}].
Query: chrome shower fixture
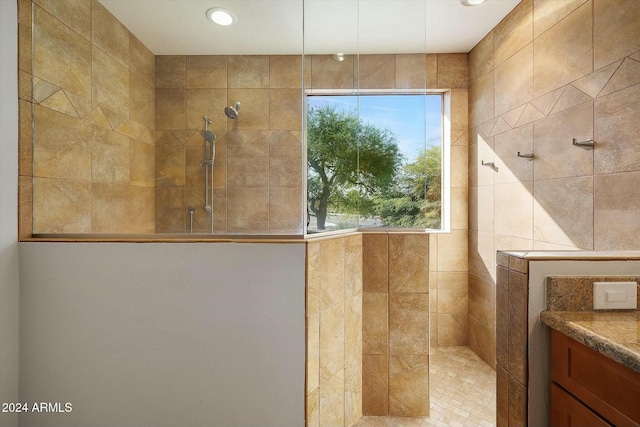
[{"x": 232, "y": 111}]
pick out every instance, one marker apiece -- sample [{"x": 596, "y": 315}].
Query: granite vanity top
[{"x": 614, "y": 334}]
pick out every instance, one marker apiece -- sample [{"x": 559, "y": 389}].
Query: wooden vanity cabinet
[{"x": 589, "y": 389}]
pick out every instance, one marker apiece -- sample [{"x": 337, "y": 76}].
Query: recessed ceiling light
[
  {"x": 221, "y": 16},
  {"x": 339, "y": 56},
  {"x": 471, "y": 2}
]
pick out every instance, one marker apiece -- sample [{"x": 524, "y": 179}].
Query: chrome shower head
[{"x": 232, "y": 111}]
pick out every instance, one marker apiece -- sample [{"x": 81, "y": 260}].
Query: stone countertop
[{"x": 614, "y": 334}]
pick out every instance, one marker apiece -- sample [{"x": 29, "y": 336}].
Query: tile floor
[{"x": 463, "y": 393}]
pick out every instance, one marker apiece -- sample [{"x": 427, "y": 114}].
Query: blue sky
[{"x": 413, "y": 119}]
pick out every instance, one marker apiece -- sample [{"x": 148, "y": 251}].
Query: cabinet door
[{"x": 566, "y": 411}]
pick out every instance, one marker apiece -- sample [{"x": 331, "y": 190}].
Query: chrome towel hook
[
  {"x": 588, "y": 144},
  {"x": 529, "y": 156}
]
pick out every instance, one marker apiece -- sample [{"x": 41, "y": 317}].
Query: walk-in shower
[
  {"x": 209, "y": 154},
  {"x": 232, "y": 111}
]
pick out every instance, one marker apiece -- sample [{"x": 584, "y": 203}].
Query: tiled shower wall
[
  {"x": 395, "y": 306},
  {"x": 91, "y": 93},
  {"x": 257, "y": 180},
  {"x": 549, "y": 72},
  {"x": 334, "y": 331}
]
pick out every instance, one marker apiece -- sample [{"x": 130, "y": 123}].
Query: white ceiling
[{"x": 272, "y": 27}]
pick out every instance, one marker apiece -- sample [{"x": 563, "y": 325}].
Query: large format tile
[
  {"x": 482, "y": 340},
  {"x": 209, "y": 103},
  {"x": 453, "y": 294},
  {"x": 410, "y": 71},
  {"x": 512, "y": 168},
  {"x": 616, "y": 30},
  {"x": 76, "y": 14},
  {"x": 60, "y": 55},
  {"x": 108, "y": 34},
  {"x": 514, "y": 32},
  {"x": 617, "y": 201},
  {"x": 206, "y": 71},
  {"x": 617, "y": 124},
  {"x": 285, "y": 109},
  {"x": 248, "y": 166},
  {"x": 376, "y": 71},
  {"x": 109, "y": 82},
  {"x": 453, "y": 70},
  {"x": 408, "y": 263},
  {"x": 563, "y": 212},
  {"x": 254, "y": 112},
  {"x": 61, "y": 206},
  {"x": 482, "y": 301},
  {"x": 332, "y": 342},
  {"x": 332, "y": 273},
  {"x": 547, "y": 13},
  {"x": 452, "y": 251},
  {"x": 332, "y": 401},
  {"x": 170, "y": 210},
  {"x": 481, "y": 58},
  {"x": 409, "y": 385},
  {"x": 452, "y": 329},
  {"x": 142, "y": 105},
  {"x": 502, "y": 317},
  {"x": 142, "y": 62},
  {"x": 353, "y": 266},
  {"x": 285, "y": 165},
  {"x": 247, "y": 71},
  {"x": 564, "y": 53},
  {"x": 375, "y": 323},
  {"x": 408, "y": 323},
  {"x": 514, "y": 210},
  {"x": 171, "y": 71},
  {"x": 327, "y": 73},
  {"x": 285, "y": 210},
  {"x": 170, "y": 109},
  {"x": 375, "y": 384},
  {"x": 110, "y": 157},
  {"x": 514, "y": 81},
  {"x": 248, "y": 210},
  {"x": 375, "y": 263},
  {"x": 61, "y": 146},
  {"x": 285, "y": 71},
  {"x": 481, "y": 95},
  {"x": 518, "y": 326}
]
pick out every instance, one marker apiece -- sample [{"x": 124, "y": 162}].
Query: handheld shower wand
[{"x": 209, "y": 156}]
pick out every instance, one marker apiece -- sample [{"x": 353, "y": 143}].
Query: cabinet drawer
[
  {"x": 567, "y": 411},
  {"x": 607, "y": 387}
]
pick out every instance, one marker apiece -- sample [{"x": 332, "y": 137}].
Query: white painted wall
[
  {"x": 539, "y": 334},
  {"x": 9, "y": 283},
  {"x": 163, "y": 334}
]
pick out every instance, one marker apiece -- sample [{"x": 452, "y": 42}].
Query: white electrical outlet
[{"x": 615, "y": 295}]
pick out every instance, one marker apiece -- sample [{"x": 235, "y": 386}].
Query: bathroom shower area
[{"x": 131, "y": 134}]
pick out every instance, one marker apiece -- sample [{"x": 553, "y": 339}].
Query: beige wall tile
[
  {"x": 514, "y": 32},
  {"x": 547, "y": 13},
  {"x": 459, "y": 164},
  {"x": 453, "y": 70},
  {"x": 285, "y": 109},
  {"x": 248, "y": 166},
  {"x": 62, "y": 146},
  {"x": 247, "y": 71},
  {"x": 109, "y": 207},
  {"x": 285, "y": 209},
  {"x": 459, "y": 111},
  {"x": 482, "y": 341},
  {"x": 327, "y": 73},
  {"x": 517, "y": 403},
  {"x": 481, "y": 58},
  {"x": 433, "y": 328},
  {"x": 617, "y": 122},
  {"x": 142, "y": 104},
  {"x": 502, "y": 397},
  {"x": 313, "y": 352},
  {"x": 502, "y": 317},
  {"x": 564, "y": 53},
  {"x": 353, "y": 344},
  {"x": 313, "y": 278},
  {"x": 481, "y": 95},
  {"x": 25, "y": 86},
  {"x": 375, "y": 263},
  {"x": 628, "y": 74},
  {"x": 140, "y": 210},
  {"x": 142, "y": 62},
  {"x": 616, "y": 30},
  {"x": 25, "y": 36},
  {"x": 452, "y": 251},
  {"x": 352, "y": 408},
  {"x": 332, "y": 401},
  {"x": 408, "y": 263},
  {"x": 512, "y": 168},
  {"x": 60, "y": 55},
  {"x": 220, "y": 210},
  {"x": 332, "y": 273},
  {"x": 169, "y": 163},
  {"x": 453, "y": 296},
  {"x": 514, "y": 79},
  {"x": 376, "y": 71},
  {"x": 616, "y": 201},
  {"x": 410, "y": 71},
  {"x": 375, "y": 384},
  {"x": 408, "y": 324},
  {"x": 254, "y": 112},
  {"x": 109, "y": 82},
  {"x": 75, "y": 14},
  {"x": 248, "y": 210},
  {"x": 194, "y": 173},
  {"x": 556, "y": 157},
  {"x": 110, "y": 157},
  {"x": 431, "y": 64},
  {"x": 375, "y": 314},
  {"x": 201, "y": 218},
  {"x": 171, "y": 71},
  {"x": 482, "y": 301},
  {"x": 206, "y": 102},
  {"x": 170, "y": 109},
  {"x": 482, "y": 254},
  {"x": 459, "y": 208},
  {"x": 514, "y": 210},
  {"x": 206, "y": 71},
  {"x": 25, "y": 138},
  {"x": 285, "y": 71},
  {"x": 518, "y": 342},
  {"x": 563, "y": 212},
  {"x": 353, "y": 266},
  {"x": 285, "y": 165},
  {"x": 109, "y": 34},
  {"x": 332, "y": 343},
  {"x": 170, "y": 217},
  {"x": 409, "y": 385},
  {"x": 452, "y": 330},
  {"x": 61, "y": 206},
  {"x": 313, "y": 409}
]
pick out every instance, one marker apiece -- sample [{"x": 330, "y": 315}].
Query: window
[{"x": 374, "y": 161}]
